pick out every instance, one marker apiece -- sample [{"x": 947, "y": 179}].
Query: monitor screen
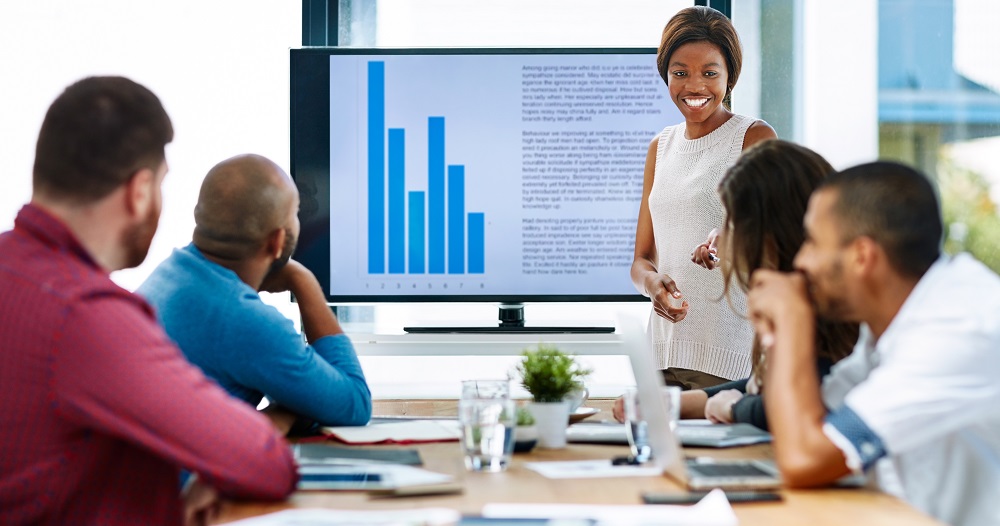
[{"x": 503, "y": 175}]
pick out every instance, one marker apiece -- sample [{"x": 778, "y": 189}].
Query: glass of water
[
  {"x": 635, "y": 425},
  {"x": 486, "y": 389},
  {"x": 487, "y": 432}
]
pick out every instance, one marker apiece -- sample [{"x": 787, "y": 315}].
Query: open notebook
[{"x": 397, "y": 431}]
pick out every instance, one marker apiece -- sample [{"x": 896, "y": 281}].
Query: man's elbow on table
[
  {"x": 269, "y": 475},
  {"x": 810, "y": 468},
  {"x": 352, "y": 408}
]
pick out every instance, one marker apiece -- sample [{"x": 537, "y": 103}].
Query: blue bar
[
  {"x": 416, "y": 233},
  {"x": 477, "y": 246},
  {"x": 397, "y": 201},
  {"x": 376, "y": 167},
  {"x": 435, "y": 194},
  {"x": 456, "y": 219}
]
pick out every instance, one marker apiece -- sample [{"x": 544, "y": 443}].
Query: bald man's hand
[
  {"x": 318, "y": 319},
  {"x": 286, "y": 279}
]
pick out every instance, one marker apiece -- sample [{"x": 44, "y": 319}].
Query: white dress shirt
[{"x": 926, "y": 395}]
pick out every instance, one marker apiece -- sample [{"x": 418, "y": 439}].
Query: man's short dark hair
[
  {"x": 894, "y": 205},
  {"x": 96, "y": 134}
]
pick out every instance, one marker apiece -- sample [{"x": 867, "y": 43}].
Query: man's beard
[
  {"x": 139, "y": 237},
  {"x": 286, "y": 254},
  {"x": 831, "y": 305}
]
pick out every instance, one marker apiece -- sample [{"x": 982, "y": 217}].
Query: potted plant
[
  {"x": 525, "y": 434},
  {"x": 549, "y": 375}
]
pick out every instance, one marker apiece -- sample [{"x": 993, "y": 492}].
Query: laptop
[
  {"x": 696, "y": 474},
  {"x": 691, "y": 433}
]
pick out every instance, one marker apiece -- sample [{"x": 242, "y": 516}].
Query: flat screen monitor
[{"x": 470, "y": 175}]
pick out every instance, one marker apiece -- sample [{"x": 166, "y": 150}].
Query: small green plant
[
  {"x": 550, "y": 374},
  {"x": 524, "y": 417}
]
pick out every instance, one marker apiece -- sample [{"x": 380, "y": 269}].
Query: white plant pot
[{"x": 551, "y": 420}]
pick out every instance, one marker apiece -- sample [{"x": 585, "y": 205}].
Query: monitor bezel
[{"x": 315, "y": 196}]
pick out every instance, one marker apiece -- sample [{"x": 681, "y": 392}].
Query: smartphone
[{"x": 694, "y": 497}]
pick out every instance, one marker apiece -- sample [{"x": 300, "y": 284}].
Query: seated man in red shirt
[{"x": 100, "y": 410}]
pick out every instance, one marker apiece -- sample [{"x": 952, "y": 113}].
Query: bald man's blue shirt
[{"x": 251, "y": 349}]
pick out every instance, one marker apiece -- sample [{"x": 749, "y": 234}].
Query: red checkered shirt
[{"x": 99, "y": 410}]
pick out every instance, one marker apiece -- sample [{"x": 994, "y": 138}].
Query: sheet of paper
[
  {"x": 713, "y": 510},
  {"x": 403, "y": 432},
  {"x": 588, "y": 469},
  {"x": 329, "y": 517}
]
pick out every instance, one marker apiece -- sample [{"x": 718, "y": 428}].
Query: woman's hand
[
  {"x": 707, "y": 253},
  {"x": 719, "y": 408},
  {"x": 667, "y": 300}
]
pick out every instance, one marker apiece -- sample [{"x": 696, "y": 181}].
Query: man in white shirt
[{"x": 921, "y": 388}]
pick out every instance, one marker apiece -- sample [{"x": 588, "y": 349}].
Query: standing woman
[{"x": 698, "y": 340}]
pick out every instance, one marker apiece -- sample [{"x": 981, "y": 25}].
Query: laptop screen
[{"x": 666, "y": 448}]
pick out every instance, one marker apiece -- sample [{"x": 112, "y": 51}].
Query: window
[{"x": 939, "y": 110}]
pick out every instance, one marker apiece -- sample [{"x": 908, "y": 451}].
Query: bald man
[{"x": 206, "y": 296}]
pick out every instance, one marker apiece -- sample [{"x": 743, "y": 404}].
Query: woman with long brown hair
[{"x": 765, "y": 195}]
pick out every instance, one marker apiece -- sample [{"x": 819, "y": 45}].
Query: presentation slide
[{"x": 489, "y": 174}]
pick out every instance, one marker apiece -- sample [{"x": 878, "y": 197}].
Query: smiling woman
[{"x": 698, "y": 340}]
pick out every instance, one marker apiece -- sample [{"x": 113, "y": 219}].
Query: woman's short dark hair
[
  {"x": 96, "y": 135},
  {"x": 765, "y": 195},
  {"x": 701, "y": 24}
]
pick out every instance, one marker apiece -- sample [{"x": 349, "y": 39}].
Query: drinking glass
[
  {"x": 635, "y": 425},
  {"x": 487, "y": 432},
  {"x": 486, "y": 389}
]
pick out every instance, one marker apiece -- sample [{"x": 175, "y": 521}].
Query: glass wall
[
  {"x": 857, "y": 80},
  {"x": 939, "y": 109},
  {"x": 915, "y": 81},
  {"x": 908, "y": 80}
]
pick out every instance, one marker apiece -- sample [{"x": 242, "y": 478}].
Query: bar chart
[{"x": 414, "y": 231}]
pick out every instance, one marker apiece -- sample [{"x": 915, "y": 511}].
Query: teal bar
[
  {"x": 416, "y": 233},
  {"x": 477, "y": 245},
  {"x": 456, "y": 219}
]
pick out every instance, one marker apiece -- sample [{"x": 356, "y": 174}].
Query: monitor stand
[{"x": 511, "y": 322}]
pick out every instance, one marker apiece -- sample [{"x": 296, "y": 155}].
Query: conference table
[{"x": 834, "y": 506}]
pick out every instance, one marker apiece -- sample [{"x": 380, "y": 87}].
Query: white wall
[
  {"x": 508, "y": 23},
  {"x": 219, "y": 67}
]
